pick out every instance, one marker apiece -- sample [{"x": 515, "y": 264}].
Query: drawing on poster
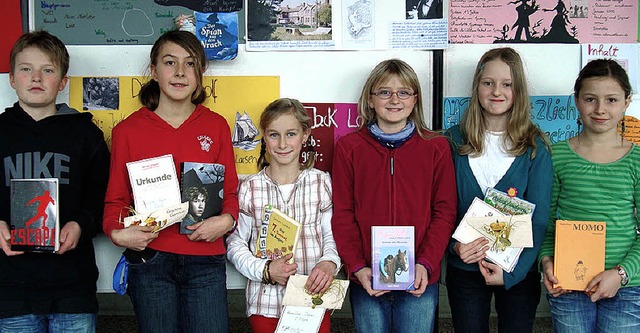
[
  {"x": 579, "y": 9},
  {"x": 288, "y": 20},
  {"x": 424, "y": 9},
  {"x": 244, "y": 133},
  {"x": 136, "y": 23},
  {"x": 560, "y": 30},
  {"x": 100, "y": 93},
  {"x": 360, "y": 19},
  {"x": 542, "y": 21}
]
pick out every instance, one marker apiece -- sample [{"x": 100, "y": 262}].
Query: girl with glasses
[{"x": 393, "y": 171}]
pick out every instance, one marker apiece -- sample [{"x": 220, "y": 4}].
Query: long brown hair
[
  {"x": 521, "y": 132},
  {"x": 150, "y": 91},
  {"x": 275, "y": 109}
]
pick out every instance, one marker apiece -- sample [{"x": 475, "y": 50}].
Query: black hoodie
[{"x": 70, "y": 147}]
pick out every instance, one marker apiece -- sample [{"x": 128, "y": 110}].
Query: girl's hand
[
  {"x": 606, "y": 285},
  {"x": 492, "y": 273},
  {"x": 549, "y": 279},
  {"x": 210, "y": 229},
  {"x": 421, "y": 281},
  {"x": 364, "y": 277},
  {"x": 5, "y": 240},
  {"x": 134, "y": 237},
  {"x": 472, "y": 252},
  {"x": 280, "y": 270},
  {"x": 321, "y": 277}
]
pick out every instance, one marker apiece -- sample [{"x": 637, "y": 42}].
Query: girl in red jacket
[
  {"x": 393, "y": 172},
  {"x": 177, "y": 282}
]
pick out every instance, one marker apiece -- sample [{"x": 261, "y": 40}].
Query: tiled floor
[{"x": 127, "y": 324}]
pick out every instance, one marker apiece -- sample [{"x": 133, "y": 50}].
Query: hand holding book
[
  {"x": 5, "y": 239},
  {"x": 280, "y": 269}
]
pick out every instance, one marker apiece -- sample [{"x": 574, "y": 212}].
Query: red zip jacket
[
  {"x": 203, "y": 137},
  {"x": 376, "y": 186}
]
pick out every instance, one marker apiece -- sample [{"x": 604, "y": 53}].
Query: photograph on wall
[
  {"x": 280, "y": 25},
  {"x": 100, "y": 93},
  {"x": 289, "y": 24},
  {"x": 542, "y": 21},
  {"x": 424, "y": 9}
]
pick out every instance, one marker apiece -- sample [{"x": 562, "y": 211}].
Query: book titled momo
[
  {"x": 393, "y": 257},
  {"x": 35, "y": 224},
  {"x": 579, "y": 252},
  {"x": 278, "y": 236},
  {"x": 202, "y": 185},
  {"x": 154, "y": 184}
]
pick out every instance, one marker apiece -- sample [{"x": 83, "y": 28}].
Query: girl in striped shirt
[
  {"x": 298, "y": 190},
  {"x": 597, "y": 178}
]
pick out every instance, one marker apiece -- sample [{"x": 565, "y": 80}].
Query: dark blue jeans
[
  {"x": 575, "y": 313},
  {"x": 395, "y": 311},
  {"x": 50, "y": 323},
  {"x": 470, "y": 301},
  {"x": 179, "y": 293}
]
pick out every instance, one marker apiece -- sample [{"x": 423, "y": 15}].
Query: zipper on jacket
[{"x": 393, "y": 189}]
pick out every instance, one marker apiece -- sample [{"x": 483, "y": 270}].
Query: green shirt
[{"x": 606, "y": 192}]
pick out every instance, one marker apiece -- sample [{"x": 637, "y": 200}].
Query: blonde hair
[
  {"x": 273, "y": 111},
  {"x": 521, "y": 132},
  {"x": 380, "y": 74}
]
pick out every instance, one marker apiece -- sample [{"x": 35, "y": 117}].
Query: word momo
[{"x": 588, "y": 227}]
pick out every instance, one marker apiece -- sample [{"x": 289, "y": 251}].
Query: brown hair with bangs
[
  {"x": 49, "y": 44},
  {"x": 150, "y": 91}
]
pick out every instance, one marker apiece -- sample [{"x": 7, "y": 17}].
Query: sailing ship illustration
[{"x": 244, "y": 133}]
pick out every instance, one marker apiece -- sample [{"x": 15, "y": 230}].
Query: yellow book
[
  {"x": 279, "y": 235},
  {"x": 579, "y": 253}
]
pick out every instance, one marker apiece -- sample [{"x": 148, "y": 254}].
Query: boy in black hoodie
[{"x": 50, "y": 292}]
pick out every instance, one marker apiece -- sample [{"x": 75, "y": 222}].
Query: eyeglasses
[{"x": 386, "y": 94}]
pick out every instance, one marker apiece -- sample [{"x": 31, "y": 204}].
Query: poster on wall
[
  {"x": 11, "y": 31},
  {"x": 543, "y": 21},
  {"x": 117, "y": 22},
  {"x": 330, "y": 122},
  {"x": 283, "y": 25},
  {"x": 112, "y": 99},
  {"x": 557, "y": 116}
]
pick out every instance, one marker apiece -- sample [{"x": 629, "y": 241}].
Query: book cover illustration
[
  {"x": 203, "y": 187},
  {"x": 508, "y": 204},
  {"x": 504, "y": 231},
  {"x": 393, "y": 257},
  {"x": 278, "y": 236},
  {"x": 154, "y": 184},
  {"x": 465, "y": 233},
  {"x": 296, "y": 294},
  {"x": 35, "y": 224},
  {"x": 579, "y": 253},
  {"x": 160, "y": 219},
  {"x": 218, "y": 34}
]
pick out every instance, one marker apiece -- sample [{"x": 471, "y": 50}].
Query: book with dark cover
[
  {"x": 393, "y": 257},
  {"x": 202, "y": 185},
  {"x": 35, "y": 224}
]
